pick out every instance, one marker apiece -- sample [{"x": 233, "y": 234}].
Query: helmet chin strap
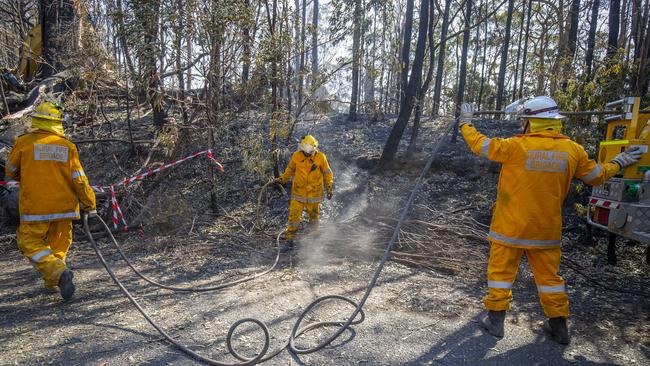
[{"x": 526, "y": 125}]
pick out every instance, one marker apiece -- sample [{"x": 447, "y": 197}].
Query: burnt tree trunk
[
  {"x": 406, "y": 49},
  {"x": 614, "y": 22},
  {"x": 463, "y": 68},
  {"x": 246, "y": 48},
  {"x": 525, "y": 56},
  {"x": 356, "y": 64},
  {"x": 437, "y": 89},
  {"x": 314, "y": 43},
  {"x": 392, "y": 144},
  {"x": 57, "y": 21},
  {"x": 504, "y": 57},
  {"x": 425, "y": 85},
  {"x": 591, "y": 41}
]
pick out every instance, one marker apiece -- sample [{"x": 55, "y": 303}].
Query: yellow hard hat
[
  {"x": 49, "y": 116},
  {"x": 50, "y": 111},
  {"x": 308, "y": 144}
]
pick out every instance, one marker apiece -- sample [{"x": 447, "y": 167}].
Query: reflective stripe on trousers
[
  {"x": 523, "y": 242},
  {"x": 306, "y": 200},
  {"x": 38, "y": 256},
  {"x": 558, "y": 288},
  {"x": 499, "y": 284}
]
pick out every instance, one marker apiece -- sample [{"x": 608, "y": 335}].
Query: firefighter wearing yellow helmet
[
  {"x": 52, "y": 182},
  {"x": 311, "y": 175},
  {"x": 537, "y": 168}
]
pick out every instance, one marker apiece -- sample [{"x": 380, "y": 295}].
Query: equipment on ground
[{"x": 621, "y": 205}]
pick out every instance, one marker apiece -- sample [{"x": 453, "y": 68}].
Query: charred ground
[{"x": 423, "y": 311}]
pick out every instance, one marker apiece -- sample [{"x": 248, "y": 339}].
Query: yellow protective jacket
[
  {"x": 537, "y": 169},
  {"x": 310, "y": 175},
  {"x": 52, "y": 180}
]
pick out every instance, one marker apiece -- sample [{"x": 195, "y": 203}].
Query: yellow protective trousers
[
  {"x": 295, "y": 216},
  {"x": 545, "y": 264},
  {"x": 46, "y": 245}
]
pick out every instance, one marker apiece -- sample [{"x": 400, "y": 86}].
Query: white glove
[
  {"x": 466, "y": 114},
  {"x": 628, "y": 157},
  {"x": 91, "y": 213}
]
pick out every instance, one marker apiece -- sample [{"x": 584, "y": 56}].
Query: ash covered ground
[{"x": 423, "y": 311}]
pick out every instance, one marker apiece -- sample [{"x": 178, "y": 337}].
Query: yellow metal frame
[{"x": 637, "y": 132}]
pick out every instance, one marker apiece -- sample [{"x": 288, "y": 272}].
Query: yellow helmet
[
  {"x": 308, "y": 144},
  {"x": 49, "y": 110},
  {"x": 48, "y": 116}
]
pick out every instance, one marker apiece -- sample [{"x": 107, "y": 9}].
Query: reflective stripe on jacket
[
  {"x": 311, "y": 174},
  {"x": 52, "y": 180},
  {"x": 536, "y": 172}
]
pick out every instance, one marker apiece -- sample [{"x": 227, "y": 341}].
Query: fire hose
[{"x": 356, "y": 317}]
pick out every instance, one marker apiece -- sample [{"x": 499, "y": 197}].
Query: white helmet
[{"x": 540, "y": 107}]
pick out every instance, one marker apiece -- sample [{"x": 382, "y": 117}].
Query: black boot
[
  {"x": 287, "y": 247},
  {"x": 558, "y": 329},
  {"x": 492, "y": 321},
  {"x": 65, "y": 285}
]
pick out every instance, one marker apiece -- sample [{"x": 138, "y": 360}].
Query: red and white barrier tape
[
  {"x": 117, "y": 211},
  {"x": 604, "y": 203}
]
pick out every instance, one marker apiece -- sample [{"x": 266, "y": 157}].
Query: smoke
[{"x": 344, "y": 230}]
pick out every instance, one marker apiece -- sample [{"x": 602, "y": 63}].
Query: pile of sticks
[{"x": 448, "y": 241}]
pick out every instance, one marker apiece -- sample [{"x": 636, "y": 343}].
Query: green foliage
[{"x": 579, "y": 94}]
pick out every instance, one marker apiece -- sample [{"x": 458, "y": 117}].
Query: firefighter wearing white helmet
[
  {"x": 537, "y": 168},
  {"x": 312, "y": 176}
]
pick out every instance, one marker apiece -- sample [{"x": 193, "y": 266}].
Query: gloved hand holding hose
[
  {"x": 90, "y": 214},
  {"x": 628, "y": 157}
]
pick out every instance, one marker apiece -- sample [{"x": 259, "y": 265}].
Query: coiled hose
[{"x": 356, "y": 317}]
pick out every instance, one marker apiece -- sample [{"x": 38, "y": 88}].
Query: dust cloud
[{"x": 344, "y": 230}]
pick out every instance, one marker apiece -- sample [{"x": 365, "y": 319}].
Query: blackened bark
[
  {"x": 57, "y": 20},
  {"x": 613, "y": 23},
  {"x": 314, "y": 42},
  {"x": 406, "y": 49},
  {"x": 573, "y": 28},
  {"x": 437, "y": 89},
  {"x": 392, "y": 144},
  {"x": 504, "y": 57},
  {"x": 463, "y": 68},
  {"x": 591, "y": 41},
  {"x": 246, "y": 51},
  {"x": 523, "y": 61},
  {"x": 356, "y": 58}
]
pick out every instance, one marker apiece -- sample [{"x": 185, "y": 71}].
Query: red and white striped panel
[{"x": 604, "y": 203}]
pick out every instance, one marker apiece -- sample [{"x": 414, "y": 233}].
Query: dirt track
[{"x": 414, "y": 316}]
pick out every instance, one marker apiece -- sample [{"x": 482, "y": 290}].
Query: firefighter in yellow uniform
[
  {"x": 52, "y": 182},
  {"x": 537, "y": 169},
  {"x": 311, "y": 176}
]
